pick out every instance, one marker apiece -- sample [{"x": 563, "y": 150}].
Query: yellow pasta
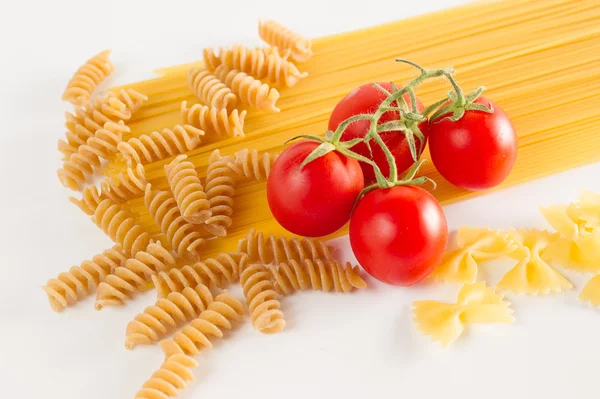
[
  {"x": 183, "y": 236},
  {"x": 90, "y": 199},
  {"x": 284, "y": 38},
  {"x": 589, "y": 203},
  {"x": 210, "y": 90},
  {"x": 475, "y": 244},
  {"x": 318, "y": 275},
  {"x": 219, "y": 271},
  {"x": 563, "y": 218},
  {"x": 88, "y": 76},
  {"x": 220, "y": 190},
  {"x": 167, "y": 314},
  {"x": 249, "y": 90},
  {"x": 160, "y": 145},
  {"x": 211, "y": 322},
  {"x": 476, "y": 304},
  {"x": 70, "y": 287},
  {"x": 187, "y": 190},
  {"x": 172, "y": 376},
  {"x": 250, "y": 164},
  {"x": 213, "y": 120},
  {"x": 132, "y": 99},
  {"x": 126, "y": 186},
  {"x": 262, "y": 299},
  {"x": 133, "y": 276},
  {"x": 212, "y": 60},
  {"x": 532, "y": 275},
  {"x": 591, "y": 291}
]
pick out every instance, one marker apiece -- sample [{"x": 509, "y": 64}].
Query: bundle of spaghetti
[
  {"x": 220, "y": 189},
  {"x": 83, "y": 83},
  {"x": 187, "y": 190},
  {"x": 210, "y": 90},
  {"x": 213, "y": 121},
  {"x": 185, "y": 238},
  {"x": 219, "y": 272},
  {"x": 277, "y": 35},
  {"x": 134, "y": 276},
  {"x": 80, "y": 281},
  {"x": 250, "y": 164},
  {"x": 262, "y": 299},
  {"x": 212, "y": 321},
  {"x": 250, "y": 91},
  {"x": 167, "y": 314},
  {"x": 318, "y": 275}
]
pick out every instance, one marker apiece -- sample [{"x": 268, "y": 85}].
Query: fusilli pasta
[
  {"x": 250, "y": 164},
  {"x": 284, "y": 38},
  {"x": 187, "y": 190},
  {"x": 220, "y": 189},
  {"x": 83, "y": 83},
  {"x": 126, "y": 186},
  {"x": 172, "y": 376},
  {"x": 262, "y": 299},
  {"x": 249, "y": 90},
  {"x": 210, "y": 90},
  {"x": 156, "y": 146},
  {"x": 90, "y": 199},
  {"x": 166, "y": 314},
  {"x": 80, "y": 281},
  {"x": 212, "y": 60},
  {"x": 214, "y": 120}
]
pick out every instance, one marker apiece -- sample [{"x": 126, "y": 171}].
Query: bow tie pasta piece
[
  {"x": 563, "y": 218},
  {"x": 474, "y": 244},
  {"x": 591, "y": 291},
  {"x": 476, "y": 304},
  {"x": 589, "y": 203},
  {"x": 532, "y": 275},
  {"x": 581, "y": 254}
]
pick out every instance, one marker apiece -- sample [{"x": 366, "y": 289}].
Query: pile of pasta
[{"x": 575, "y": 245}]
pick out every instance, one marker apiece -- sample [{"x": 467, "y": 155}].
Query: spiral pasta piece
[
  {"x": 182, "y": 235},
  {"x": 211, "y": 322},
  {"x": 220, "y": 189},
  {"x": 212, "y": 60},
  {"x": 210, "y": 90},
  {"x": 249, "y": 90},
  {"x": 172, "y": 376},
  {"x": 88, "y": 157},
  {"x": 134, "y": 276},
  {"x": 187, "y": 190},
  {"x": 131, "y": 98},
  {"x": 120, "y": 225},
  {"x": 214, "y": 120},
  {"x": 318, "y": 275},
  {"x": 156, "y": 146},
  {"x": 69, "y": 287},
  {"x": 250, "y": 164},
  {"x": 83, "y": 83},
  {"x": 90, "y": 199},
  {"x": 262, "y": 299},
  {"x": 279, "y": 250},
  {"x": 218, "y": 271},
  {"x": 275, "y": 34},
  {"x": 126, "y": 186},
  {"x": 273, "y": 67},
  {"x": 167, "y": 314}
]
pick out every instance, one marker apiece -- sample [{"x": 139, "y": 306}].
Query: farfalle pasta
[
  {"x": 187, "y": 190},
  {"x": 591, "y": 291},
  {"x": 83, "y": 83},
  {"x": 213, "y": 121},
  {"x": 249, "y": 90},
  {"x": 474, "y": 244},
  {"x": 210, "y": 90},
  {"x": 476, "y": 304},
  {"x": 284, "y": 38}
]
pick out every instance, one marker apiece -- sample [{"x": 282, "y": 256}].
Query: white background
[{"x": 355, "y": 346}]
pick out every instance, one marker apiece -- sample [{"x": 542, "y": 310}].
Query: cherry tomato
[
  {"x": 317, "y": 199},
  {"x": 365, "y": 100},
  {"x": 398, "y": 234},
  {"x": 476, "y": 152}
]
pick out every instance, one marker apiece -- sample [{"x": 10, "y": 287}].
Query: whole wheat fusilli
[
  {"x": 210, "y": 90},
  {"x": 251, "y": 164},
  {"x": 187, "y": 190},
  {"x": 83, "y": 83},
  {"x": 220, "y": 189},
  {"x": 249, "y": 90},
  {"x": 213, "y": 120},
  {"x": 279, "y": 36}
]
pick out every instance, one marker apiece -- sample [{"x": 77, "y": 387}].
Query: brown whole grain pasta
[
  {"x": 220, "y": 190},
  {"x": 262, "y": 299},
  {"x": 172, "y": 376},
  {"x": 249, "y": 90},
  {"x": 187, "y": 190},
  {"x": 210, "y": 90},
  {"x": 214, "y": 121},
  {"x": 252, "y": 165},
  {"x": 83, "y": 83},
  {"x": 277, "y": 35}
]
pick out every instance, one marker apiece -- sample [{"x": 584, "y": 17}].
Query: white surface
[{"x": 355, "y": 346}]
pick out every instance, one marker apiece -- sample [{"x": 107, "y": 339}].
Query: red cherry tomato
[
  {"x": 476, "y": 152},
  {"x": 398, "y": 234},
  {"x": 317, "y": 199},
  {"x": 365, "y": 100}
]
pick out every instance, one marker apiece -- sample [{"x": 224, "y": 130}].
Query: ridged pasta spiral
[
  {"x": 214, "y": 120},
  {"x": 212, "y": 60},
  {"x": 279, "y": 250},
  {"x": 69, "y": 287},
  {"x": 279, "y": 36},
  {"x": 120, "y": 225},
  {"x": 131, "y": 98},
  {"x": 195, "y": 336},
  {"x": 167, "y": 314},
  {"x": 249, "y": 90},
  {"x": 187, "y": 190},
  {"x": 156, "y": 146},
  {"x": 83, "y": 83},
  {"x": 251, "y": 164},
  {"x": 182, "y": 235},
  {"x": 318, "y": 275},
  {"x": 210, "y": 90},
  {"x": 220, "y": 189},
  {"x": 134, "y": 276},
  {"x": 90, "y": 199},
  {"x": 172, "y": 376},
  {"x": 254, "y": 62},
  {"x": 218, "y": 271},
  {"x": 262, "y": 299},
  {"x": 88, "y": 157}
]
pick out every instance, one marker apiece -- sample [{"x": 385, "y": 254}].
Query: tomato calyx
[
  {"x": 409, "y": 179},
  {"x": 459, "y": 103}
]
